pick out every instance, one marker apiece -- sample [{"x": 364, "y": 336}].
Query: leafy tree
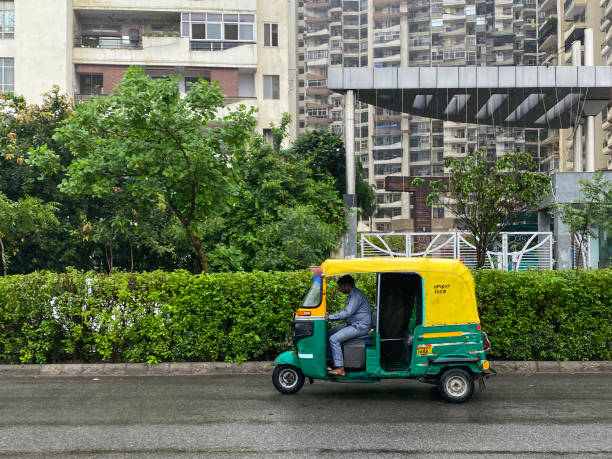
[
  {"x": 281, "y": 215},
  {"x": 146, "y": 144},
  {"x": 25, "y": 127},
  {"x": 486, "y": 196},
  {"x": 592, "y": 211},
  {"x": 327, "y": 156},
  {"x": 22, "y": 219}
]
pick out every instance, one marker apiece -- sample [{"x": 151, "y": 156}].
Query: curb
[{"x": 260, "y": 368}]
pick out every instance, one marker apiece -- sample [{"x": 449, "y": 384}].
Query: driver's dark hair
[{"x": 346, "y": 280}]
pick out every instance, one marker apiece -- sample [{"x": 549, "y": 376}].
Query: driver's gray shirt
[{"x": 357, "y": 310}]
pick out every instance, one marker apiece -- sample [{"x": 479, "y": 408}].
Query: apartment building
[
  {"x": 562, "y": 25},
  {"x": 393, "y": 33},
  {"x": 85, "y": 46},
  {"x": 606, "y": 55}
]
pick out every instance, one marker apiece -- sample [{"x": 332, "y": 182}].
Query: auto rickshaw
[{"x": 425, "y": 326}]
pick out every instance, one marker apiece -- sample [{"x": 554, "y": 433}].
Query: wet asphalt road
[{"x": 518, "y": 416}]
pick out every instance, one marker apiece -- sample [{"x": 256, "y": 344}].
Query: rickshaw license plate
[{"x": 424, "y": 349}]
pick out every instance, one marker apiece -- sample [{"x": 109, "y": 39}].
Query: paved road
[{"x": 518, "y": 416}]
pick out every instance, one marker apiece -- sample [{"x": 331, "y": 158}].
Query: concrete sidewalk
[{"x": 246, "y": 368}]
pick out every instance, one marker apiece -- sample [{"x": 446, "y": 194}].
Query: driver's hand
[{"x": 327, "y": 316}]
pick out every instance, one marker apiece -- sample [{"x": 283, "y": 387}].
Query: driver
[{"x": 358, "y": 320}]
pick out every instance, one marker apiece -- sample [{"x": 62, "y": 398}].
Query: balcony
[
  {"x": 94, "y": 41},
  {"x": 573, "y": 8},
  {"x": 315, "y": 120},
  {"x": 317, "y": 5},
  {"x": 548, "y": 33},
  {"x": 171, "y": 51},
  {"x": 575, "y": 33}
]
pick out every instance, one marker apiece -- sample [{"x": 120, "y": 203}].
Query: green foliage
[
  {"x": 157, "y": 316},
  {"x": 486, "y": 196},
  {"x": 24, "y": 128},
  {"x": 547, "y": 315},
  {"x": 591, "y": 212},
  {"x": 25, "y": 218},
  {"x": 327, "y": 156},
  {"x": 281, "y": 215},
  {"x": 146, "y": 144}
]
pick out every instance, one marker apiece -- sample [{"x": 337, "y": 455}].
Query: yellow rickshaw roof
[
  {"x": 333, "y": 267},
  {"x": 448, "y": 285}
]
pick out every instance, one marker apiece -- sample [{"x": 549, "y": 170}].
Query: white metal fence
[{"x": 510, "y": 252}]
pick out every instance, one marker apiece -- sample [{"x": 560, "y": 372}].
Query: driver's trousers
[{"x": 339, "y": 334}]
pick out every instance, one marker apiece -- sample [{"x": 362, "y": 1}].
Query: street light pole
[{"x": 350, "y": 199}]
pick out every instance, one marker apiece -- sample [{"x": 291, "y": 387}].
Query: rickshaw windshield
[{"x": 313, "y": 297}]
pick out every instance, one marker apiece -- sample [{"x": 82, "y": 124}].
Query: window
[
  {"x": 198, "y": 31},
  {"x": 91, "y": 83},
  {"x": 191, "y": 80},
  {"x": 271, "y": 87},
  {"x": 231, "y": 31},
  {"x": 438, "y": 212},
  {"x": 215, "y": 26},
  {"x": 7, "y": 74},
  {"x": 270, "y": 34},
  {"x": 7, "y": 19},
  {"x": 268, "y": 136}
]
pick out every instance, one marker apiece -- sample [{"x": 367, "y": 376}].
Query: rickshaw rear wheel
[
  {"x": 456, "y": 385},
  {"x": 287, "y": 379}
]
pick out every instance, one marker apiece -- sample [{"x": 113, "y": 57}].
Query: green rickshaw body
[{"x": 443, "y": 333}]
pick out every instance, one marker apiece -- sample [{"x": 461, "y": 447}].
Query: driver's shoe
[{"x": 337, "y": 372}]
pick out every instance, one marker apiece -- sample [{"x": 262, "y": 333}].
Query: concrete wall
[
  {"x": 43, "y": 34},
  {"x": 167, "y": 5},
  {"x": 169, "y": 51},
  {"x": 275, "y": 60}
]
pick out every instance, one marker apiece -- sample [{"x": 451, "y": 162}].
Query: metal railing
[
  {"x": 91, "y": 41},
  {"x": 512, "y": 251}
]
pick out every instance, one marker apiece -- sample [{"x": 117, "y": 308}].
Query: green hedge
[{"x": 158, "y": 316}]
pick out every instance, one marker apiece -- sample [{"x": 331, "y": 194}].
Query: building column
[
  {"x": 590, "y": 121},
  {"x": 576, "y": 62},
  {"x": 563, "y": 245},
  {"x": 578, "y": 148},
  {"x": 350, "y": 199},
  {"x": 543, "y": 227}
]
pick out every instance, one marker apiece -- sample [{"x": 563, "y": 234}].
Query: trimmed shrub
[{"x": 158, "y": 316}]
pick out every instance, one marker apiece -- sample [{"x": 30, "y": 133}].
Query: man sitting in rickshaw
[{"x": 358, "y": 320}]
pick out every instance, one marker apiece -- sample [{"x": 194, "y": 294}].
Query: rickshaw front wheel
[
  {"x": 287, "y": 379},
  {"x": 456, "y": 385}
]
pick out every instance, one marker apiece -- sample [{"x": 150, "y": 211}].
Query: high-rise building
[
  {"x": 561, "y": 39},
  {"x": 394, "y": 33},
  {"x": 85, "y": 46},
  {"x": 606, "y": 55}
]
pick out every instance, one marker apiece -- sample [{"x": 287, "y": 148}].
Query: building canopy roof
[{"x": 526, "y": 96}]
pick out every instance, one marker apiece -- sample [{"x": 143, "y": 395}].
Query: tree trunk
[
  {"x": 481, "y": 252},
  {"x": 4, "y": 264},
  {"x": 197, "y": 245},
  {"x": 108, "y": 251},
  {"x": 131, "y": 257}
]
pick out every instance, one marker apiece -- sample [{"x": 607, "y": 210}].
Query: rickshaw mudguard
[{"x": 288, "y": 358}]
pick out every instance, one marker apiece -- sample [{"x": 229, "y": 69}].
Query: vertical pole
[
  {"x": 362, "y": 246},
  {"x": 590, "y": 122},
  {"x": 350, "y": 200},
  {"x": 505, "y": 251},
  {"x": 577, "y": 62}
]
